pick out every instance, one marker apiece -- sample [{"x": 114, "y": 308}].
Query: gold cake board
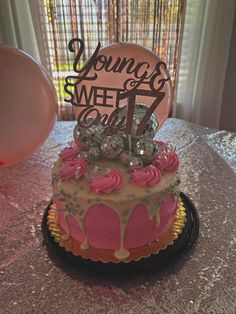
[
  {"x": 175, "y": 244},
  {"x": 106, "y": 256}
]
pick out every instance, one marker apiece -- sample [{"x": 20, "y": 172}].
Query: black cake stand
[{"x": 155, "y": 263}]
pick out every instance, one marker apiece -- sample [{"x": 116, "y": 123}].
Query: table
[{"x": 202, "y": 282}]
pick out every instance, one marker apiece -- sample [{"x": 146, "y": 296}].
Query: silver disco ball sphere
[
  {"x": 146, "y": 149},
  {"x": 135, "y": 163},
  {"x": 140, "y": 110},
  {"x": 125, "y": 157},
  {"x": 112, "y": 146},
  {"x": 94, "y": 153},
  {"x": 90, "y": 136}
]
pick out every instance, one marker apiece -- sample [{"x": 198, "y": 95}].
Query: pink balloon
[
  {"x": 111, "y": 79},
  {"x": 28, "y": 105}
]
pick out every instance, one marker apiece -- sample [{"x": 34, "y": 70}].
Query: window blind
[{"x": 155, "y": 24}]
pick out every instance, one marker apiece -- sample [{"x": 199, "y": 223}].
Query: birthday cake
[
  {"x": 115, "y": 188},
  {"x": 111, "y": 199}
]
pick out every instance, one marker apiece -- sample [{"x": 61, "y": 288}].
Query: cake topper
[
  {"x": 116, "y": 75},
  {"x": 122, "y": 95}
]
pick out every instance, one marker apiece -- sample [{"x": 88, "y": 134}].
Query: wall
[{"x": 228, "y": 109}]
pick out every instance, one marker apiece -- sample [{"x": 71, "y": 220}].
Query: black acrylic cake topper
[{"x": 132, "y": 87}]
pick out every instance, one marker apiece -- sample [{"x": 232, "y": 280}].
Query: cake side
[{"x": 119, "y": 220}]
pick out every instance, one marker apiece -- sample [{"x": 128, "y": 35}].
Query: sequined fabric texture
[{"x": 201, "y": 282}]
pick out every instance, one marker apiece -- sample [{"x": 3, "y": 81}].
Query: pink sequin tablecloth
[{"x": 202, "y": 282}]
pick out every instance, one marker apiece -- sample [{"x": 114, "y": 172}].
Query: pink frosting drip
[
  {"x": 71, "y": 152},
  {"x": 167, "y": 162},
  {"x": 74, "y": 169},
  {"x": 148, "y": 176},
  {"x": 107, "y": 183}
]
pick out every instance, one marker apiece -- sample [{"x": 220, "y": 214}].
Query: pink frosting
[
  {"x": 111, "y": 181},
  {"x": 161, "y": 143},
  {"x": 167, "y": 162},
  {"x": 102, "y": 225},
  {"x": 71, "y": 152},
  {"x": 148, "y": 176},
  {"x": 73, "y": 169}
]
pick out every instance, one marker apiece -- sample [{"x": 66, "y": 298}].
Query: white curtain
[
  {"x": 16, "y": 27},
  {"x": 205, "y": 47}
]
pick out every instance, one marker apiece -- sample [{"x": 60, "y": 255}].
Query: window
[{"x": 155, "y": 24}]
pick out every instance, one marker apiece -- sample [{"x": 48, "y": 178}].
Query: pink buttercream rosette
[
  {"x": 167, "y": 161},
  {"x": 147, "y": 176},
  {"x": 71, "y": 152},
  {"x": 107, "y": 183},
  {"x": 161, "y": 143},
  {"x": 74, "y": 169}
]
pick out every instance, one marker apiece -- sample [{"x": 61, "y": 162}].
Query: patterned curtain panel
[{"x": 155, "y": 24}]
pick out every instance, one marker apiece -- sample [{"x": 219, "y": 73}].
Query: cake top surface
[{"x": 126, "y": 189}]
